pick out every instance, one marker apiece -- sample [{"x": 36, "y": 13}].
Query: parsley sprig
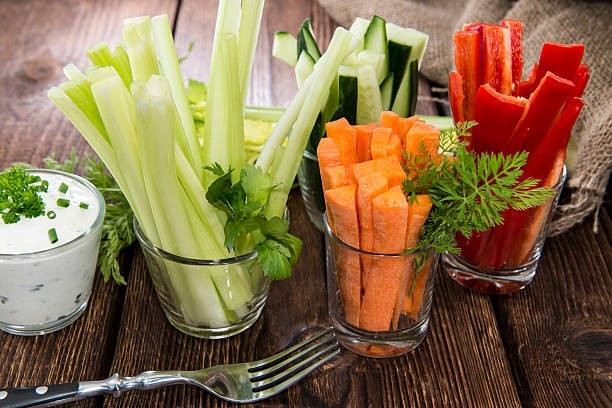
[
  {"x": 243, "y": 203},
  {"x": 19, "y": 195},
  {"x": 469, "y": 191}
]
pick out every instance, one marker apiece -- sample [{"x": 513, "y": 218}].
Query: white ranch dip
[{"x": 45, "y": 286}]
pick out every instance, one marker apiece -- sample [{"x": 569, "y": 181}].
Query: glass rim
[
  {"x": 334, "y": 237},
  {"x": 149, "y": 246},
  {"x": 73, "y": 242}
]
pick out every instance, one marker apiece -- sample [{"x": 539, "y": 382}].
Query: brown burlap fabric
[{"x": 564, "y": 21}]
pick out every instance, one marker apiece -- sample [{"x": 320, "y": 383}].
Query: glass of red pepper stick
[{"x": 535, "y": 115}]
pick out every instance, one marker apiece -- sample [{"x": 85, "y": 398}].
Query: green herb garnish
[
  {"x": 52, "y": 235},
  {"x": 62, "y": 202},
  {"x": 117, "y": 232},
  {"x": 246, "y": 226},
  {"x": 63, "y": 188},
  {"x": 19, "y": 195},
  {"x": 83, "y": 205},
  {"x": 469, "y": 192}
]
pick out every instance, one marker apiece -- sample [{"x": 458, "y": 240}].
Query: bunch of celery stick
[{"x": 131, "y": 106}]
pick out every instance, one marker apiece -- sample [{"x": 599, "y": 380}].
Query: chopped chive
[
  {"x": 83, "y": 205},
  {"x": 51, "y": 214},
  {"x": 52, "y": 235},
  {"x": 62, "y": 202},
  {"x": 45, "y": 185},
  {"x": 63, "y": 188}
]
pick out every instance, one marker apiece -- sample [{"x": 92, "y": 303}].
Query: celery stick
[
  {"x": 317, "y": 86},
  {"x": 102, "y": 56},
  {"x": 139, "y": 47},
  {"x": 234, "y": 106},
  {"x": 158, "y": 124},
  {"x": 169, "y": 68},
  {"x": 248, "y": 34}
]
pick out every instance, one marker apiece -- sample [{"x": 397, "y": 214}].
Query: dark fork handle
[{"x": 40, "y": 395}]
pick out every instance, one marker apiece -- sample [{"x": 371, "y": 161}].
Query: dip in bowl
[{"x": 48, "y": 262}]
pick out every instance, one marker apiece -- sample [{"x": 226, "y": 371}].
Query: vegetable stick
[
  {"x": 388, "y": 119},
  {"x": 516, "y": 41},
  {"x": 403, "y": 125},
  {"x": 364, "y": 141},
  {"x": 333, "y": 176},
  {"x": 497, "y": 67},
  {"x": 342, "y": 207},
  {"x": 418, "y": 211},
  {"x": 370, "y": 186},
  {"x": 345, "y": 137},
  {"x": 422, "y": 133},
  {"x": 380, "y": 140},
  {"x": 394, "y": 146},
  {"x": 390, "y": 214},
  {"x": 468, "y": 51},
  {"x": 328, "y": 153},
  {"x": 414, "y": 297}
]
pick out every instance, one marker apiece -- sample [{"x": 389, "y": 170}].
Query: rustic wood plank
[{"x": 558, "y": 331}]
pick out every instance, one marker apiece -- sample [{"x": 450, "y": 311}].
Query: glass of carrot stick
[
  {"x": 534, "y": 115},
  {"x": 380, "y": 284}
]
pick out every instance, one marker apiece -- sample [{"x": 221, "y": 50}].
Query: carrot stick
[
  {"x": 345, "y": 137},
  {"x": 370, "y": 185},
  {"x": 390, "y": 166},
  {"x": 380, "y": 140},
  {"x": 418, "y": 211},
  {"x": 394, "y": 147},
  {"x": 342, "y": 205},
  {"x": 388, "y": 119},
  {"x": 328, "y": 154},
  {"x": 333, "y": 176},
  {"x": 390, "y": 214},
  {"x": 364, "y": 141},
  {"x": 416, "y": 290},
  {"x": 403, "y": 125}
]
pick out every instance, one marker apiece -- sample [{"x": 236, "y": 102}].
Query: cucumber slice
[
  {"x": 306, "y": 41},
  {"x": 375, "y": 39},
  {"x": 359, "y": 27},
  {"x": 399, "y": 55},
  {"x": 404, "y": 103},
  {"x": 410, "y": 37},
  {"x": 369, "y": 103},
  {"x": 284, "y": 47},
  {"x": 303, "y": 67},
  {"x": 348, "y": 92},
  {"x": 386, "y": 91}
]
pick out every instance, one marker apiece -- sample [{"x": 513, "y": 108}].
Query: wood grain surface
[{"x": 549, "y": 345}]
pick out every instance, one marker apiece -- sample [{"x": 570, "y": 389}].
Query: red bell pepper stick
[
  {"x": 581, "y": 79},
  {"x": 468, "y": 57},
  {"x": 455, "y": 96},
  {"x": 497, "y": 67},
  {"x": 560, "y": 59},
  {"x": 512, "y": 242},
  {"x": 516, "y": 40},
  {"x": 497, "y": 116},
  {"x": 543, "y": 108}
]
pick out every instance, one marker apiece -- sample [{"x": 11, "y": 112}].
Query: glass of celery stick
[
  {"x": 48, "y": 262},
  {"x": 379, "y": 304},
  {"x": 183, "y": 286}
]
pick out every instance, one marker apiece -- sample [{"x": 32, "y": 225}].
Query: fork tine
[
  {"x": 280, "y": 365},
  {"x": 281, "y": 357},
  {"x": 272, "y": 385}
]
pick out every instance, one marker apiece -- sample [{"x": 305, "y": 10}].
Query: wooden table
[{"x": 547, "y": 346}]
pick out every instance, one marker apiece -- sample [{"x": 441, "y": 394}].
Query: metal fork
[{"x": 244, "y": 382}]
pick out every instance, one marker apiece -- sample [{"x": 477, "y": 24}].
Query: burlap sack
[{"x": 562, "y": 21}]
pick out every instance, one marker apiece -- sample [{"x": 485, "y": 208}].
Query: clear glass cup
[
  {"x": 504, "y": 259},
  {"x": 311, "y": 189},
  {"x": 184, "y": 287},
  {"x": 379, "y": 304},
  {"x": 43, "y": 291}
]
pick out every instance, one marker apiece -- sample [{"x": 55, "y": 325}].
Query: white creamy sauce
[
  {"x": 45, "y": 286},
  {"x": 31, "y": 234}
]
